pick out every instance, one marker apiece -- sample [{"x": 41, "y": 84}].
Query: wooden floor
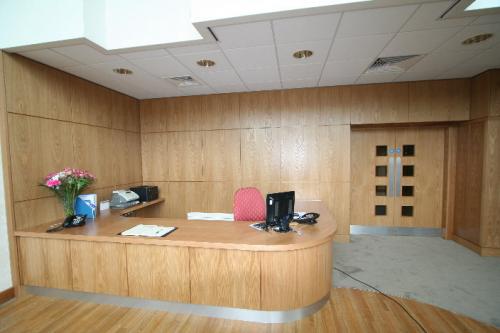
[{"x": 348, "y": 310}]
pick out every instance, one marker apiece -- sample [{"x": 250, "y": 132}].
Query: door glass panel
[
  {"x": 408, "y": 170},
  {"x": 408, "y": 150},
  {"x": 406, "y": 210},
  {"x": 407, "y": 191},
  {"x": 380, "y": 210},
  {"x": 381, "y": 190},
  {"x": 381, "y": 151},
  {"x": 381, "y": 170}
]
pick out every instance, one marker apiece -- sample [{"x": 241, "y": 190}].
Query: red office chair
[{"x": 249, "y": 205}]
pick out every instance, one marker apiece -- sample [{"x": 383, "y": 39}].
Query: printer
[{"x": 123, "y": 199}]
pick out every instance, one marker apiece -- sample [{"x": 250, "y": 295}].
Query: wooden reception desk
[{"x": 214, "y": 263}]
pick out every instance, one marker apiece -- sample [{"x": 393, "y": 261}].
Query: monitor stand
[{"x": 284, "y": 224}]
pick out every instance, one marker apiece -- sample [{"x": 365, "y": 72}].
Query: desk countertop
[{"x": 200, "y": 234}]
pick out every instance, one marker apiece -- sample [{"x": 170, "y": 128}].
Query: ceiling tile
[
  {"x": 193, "y": 49},
  {"x": 260, "y": 75},
  {"x": 455, "y": 43},
  {"x": 374, "y": 21},
  {"x": 320, "y": 51},
  {"x": 361, "y": 47},
  {"x": 244, "y": 35},
  {"x": 462, "y": 71},
  {"x": 305, "y": 28},
  {"x": 85, "y": 54},
  {"x": 300, "y": 72},
  {"x": 487, "y": 19},
  {"x": 222, "y": 78},
  {"x": 441, "y": 61},
  {"x": 264, "y": 86},
  {"x": 189, "y": 60},
  {"x": 231, "y": 89},
  {"x": 299, "y": 84},
  {"x": 427, "y": 17},
  {"x": 489, "y": 58},
  {"x": 51, "y": 58},
  {"x": 352, "y": 68},
  {"x": 377, "y": 78},
  {"x": 163, "y": 66},
  {"x": 418, "y": 42},
  {"x": 338, "y": 81},
  {"x": 196, "y": 90},
  {"x": 144, "y": 54},
  {"x": 253, "y": 57},
  {"x": 417, "y": 76}
]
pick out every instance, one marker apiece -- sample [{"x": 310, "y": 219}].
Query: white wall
[{"x": 5, "y": 273}]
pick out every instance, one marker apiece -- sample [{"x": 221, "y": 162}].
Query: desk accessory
[
  {"x": 146, "y": 193},
  {"x": 86, "y": 205},
  {"x": 123, "y": 199},
  {"x": 148, "y": 230},
  {"x": 67, "y": 185}
]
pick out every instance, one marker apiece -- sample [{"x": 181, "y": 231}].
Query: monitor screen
[{"x": 279, "y": 205}]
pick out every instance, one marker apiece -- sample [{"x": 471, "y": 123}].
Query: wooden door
[{"x": 397, "y": 177}]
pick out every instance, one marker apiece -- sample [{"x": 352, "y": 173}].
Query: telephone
[
  {"x": 123, "y": 199},
  {"x": 69, "y": 222}
]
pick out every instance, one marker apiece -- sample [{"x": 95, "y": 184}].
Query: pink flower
[{"x": 53, "y": 182}]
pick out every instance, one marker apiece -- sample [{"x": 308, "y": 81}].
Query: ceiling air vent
[
  {"x": 393, "y": 64},
  {"x": 183, "y": 81}
]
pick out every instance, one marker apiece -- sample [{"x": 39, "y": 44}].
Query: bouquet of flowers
[{"x": 67, "y": 185}]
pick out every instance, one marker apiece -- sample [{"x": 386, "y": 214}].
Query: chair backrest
[{"x": 249, "y": 205}]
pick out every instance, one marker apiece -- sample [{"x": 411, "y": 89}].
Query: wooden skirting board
[
  {"x": 483, "y": 251},
  {"x": 6, "y": 295}
]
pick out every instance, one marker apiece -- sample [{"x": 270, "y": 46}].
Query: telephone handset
[{"x": 69, "y": 222}]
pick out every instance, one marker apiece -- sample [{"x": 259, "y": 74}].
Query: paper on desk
[
  {"x": 147, "y": 230},
  {"x": 210, "y": 216}
]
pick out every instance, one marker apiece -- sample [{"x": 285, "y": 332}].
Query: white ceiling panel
[
  {"x": 85, "y": 54},
  {"x": 300, "y": 84},
  {"x": 489, "y": 58},
  {"x": 193, "y": 49},
  {"x": 487, "y": 19},
  {"x": 377, "y": 78},
  {"x": 306, "y": 28},
  {"x": 463, "y": 71},
  {"x": 417, "y": 76},
  {"x": 320, "y": 51},
  {"x": 352, "y": 68},
  {"x": 144, "y": 54},
  {"x": 253, "y": 57},
  {"x": 427, "y": 17},
  {"x": 244, "y": 35},
  {"x": 338, "y": 81},
  {"x": 260, "y": 75},
  {"x": 189, "y": 60},
  {"x": 162, "y": 66},
  {"x": 455, "y": 43},
  {"x": 264, "y": 86},
  {"x": 438, "y": 62},
  {"x": 298, "y": 72},
  {"x": 361, "y": 47},
  {"x": 231, "y": 89},
  {"x": 418, "y": 42},
  {"x": 51, "y": 58},
  {"x": 196, "y": 90},
  {"x": 222, "y": 78},
  {"x": 374, "y": 21}
]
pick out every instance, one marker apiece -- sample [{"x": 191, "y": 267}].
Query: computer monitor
[{"x": 280, "y": 209}]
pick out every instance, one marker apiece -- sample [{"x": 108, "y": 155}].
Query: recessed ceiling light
[
  {"x": 123, "y": 71},
  {"x": 302, "y": 54},
  {"x": 483, "y": 4},
  {"x": 477, "y": 39},
  {"x": 206, "y": 63}
]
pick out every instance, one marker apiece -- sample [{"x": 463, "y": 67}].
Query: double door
[{"x": 397, "y": 177}]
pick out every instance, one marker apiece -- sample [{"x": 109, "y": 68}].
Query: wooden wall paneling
[
  {"x": 38, "y": 146},
  {"x": 264, "y": 187},
  {"x": 300, "y": 154},
  {"x": 153, "y": 115},
  {"x": 99, "y": 267},
  {"x": 225, "y": 278},
  {"x": 300, "y": 107},
  {"x": 490, "y": 196},
  {"x": 184, "y": 113},
  {"x": 220, "y": 111},
  {"x": 120, "y": 161},
  {"x": 449, "y": 181},
  {"x": 184, "y": 197},
  {"x": 168, "y": 207},
  {"x": 124, "y": 112},
  {"x": 260, "y": 154},
  {"x": 184, "y": 156},
  {"x": 336, "y": 197},
  {"x": 90, "y": 103},
  {"x": 379, "y": 103},
  {"x": 35, "y": 89},
  {"x": 335, "y": 105},
  {"x": 314, "y": 273},
  {"x": 303, "y": 190},
  {"x": 480, "y": 96},
  {"x": 133, "y": 160},
  {"x": 275, "y": 268},
  {"x": 221, "y": 155},
  {"x": 335, "y": 151},
  {"x": 45, "y": 262},
  {"x": 260, "y": 109},
  {"x": 154, "y": 157},
  {"x": 218, "y": 196},
  {"x": 31, "y": 213},
  {"x": 167, "y": 276},
  {"x": 439, "y": 100},
  {"x": 495, "y": 93},
  {"x": 461, "y": 181}
]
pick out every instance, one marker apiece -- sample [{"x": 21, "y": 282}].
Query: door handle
[
  {"x": 391, "y": 176},
  {"x": 398, "y": 177}
]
